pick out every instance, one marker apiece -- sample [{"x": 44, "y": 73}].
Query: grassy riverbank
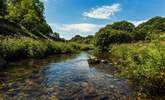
[
  {"x": 12, "y": 48},
  {"x": 143, "y": 63},
  {"x": 138, "y": 52}
]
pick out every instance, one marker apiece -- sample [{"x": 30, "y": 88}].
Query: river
[{"x": 64, "y": 77}]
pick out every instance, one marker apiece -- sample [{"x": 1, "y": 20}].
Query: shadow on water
[{"x": 63, "y": 77}]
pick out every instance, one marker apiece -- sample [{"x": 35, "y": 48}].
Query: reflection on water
[{"x": 63, "y": 77}]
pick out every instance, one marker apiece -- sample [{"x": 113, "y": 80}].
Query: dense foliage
[
  {"x": 156, "y": 24},
  {"x": 137, "y": 52},
  {"x": 151, "y": 29},
  {"x": 125, "y": 32},
  {"x": 119, "y": 32},
  {"x": 123, "y": 26},
  {"x": 27, "y": 13},
  {"x": 144, "y": 64},
  {"x": 11, "y": 48},
  {"x": 86, "y": 40}
]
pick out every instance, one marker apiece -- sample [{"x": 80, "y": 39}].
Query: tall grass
[
  {"x": 144, "y": 63},
  {"x": 12, "y": 48}
]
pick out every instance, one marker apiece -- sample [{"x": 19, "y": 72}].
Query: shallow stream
[{"x": 64, "y": 77}]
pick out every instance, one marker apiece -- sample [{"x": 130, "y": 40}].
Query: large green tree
[
  {"x": 118, "y": 32},
  {"x": 123, "y": 26},
  {"x": 30, "y": 14}
]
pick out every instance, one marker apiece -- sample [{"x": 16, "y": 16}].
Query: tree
[
  {"x": 29, "y": 13},
  {"x": 150, "y": 29},
  {"x": 102, "y": 41},
  {"x": 89, "y": 39},
  {"x": 118, "y": 32},
  {"x": 77, "y": 38},
  {"x": 124, "y": 26},
  {"x": 156, "y": 24},
  {"x": 80, "y": 39}
]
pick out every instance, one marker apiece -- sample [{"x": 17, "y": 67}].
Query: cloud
[
  {"x": 103, "y": 12},
  {"x": 69, "y": 30},
  {"x": 83, "y": 27},
  {"x": 136, "y": 23},
  {"x": 44, "y": 0}
]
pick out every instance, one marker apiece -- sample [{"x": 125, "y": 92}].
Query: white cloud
[
  {"x": 69, "y": 30},
  {"x": 136, "y": 23},
  {"x": 83, "y": 27},
  {"x": 44, "y": 0},
  {"x": 103, "y": 12}
]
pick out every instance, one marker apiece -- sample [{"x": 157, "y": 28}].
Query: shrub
[
  {"x": 144, "y": 64},
  {"x": 83, "y": 40},
  {"x": 12, "y": 48},
  {"x": 105, "y": 38},
  {"x": 123, "y": 26}
]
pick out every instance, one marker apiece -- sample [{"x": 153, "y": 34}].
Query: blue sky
[{"x": 85, "y": 17}]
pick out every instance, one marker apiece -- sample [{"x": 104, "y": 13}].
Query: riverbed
[{"x": 64, "y": 77}]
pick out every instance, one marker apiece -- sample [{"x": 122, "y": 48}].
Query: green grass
[
  {"x": 143, "y": 63},
  {"x": 13, "y": 48}
]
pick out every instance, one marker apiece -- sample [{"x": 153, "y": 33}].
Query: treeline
[
  {"x": 138, "y": 53},
  {"x": 126, "y": 32},
  {"x": 80, "y": 39}
]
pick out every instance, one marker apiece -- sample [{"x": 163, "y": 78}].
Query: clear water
[{"x": 64, "y": 77}]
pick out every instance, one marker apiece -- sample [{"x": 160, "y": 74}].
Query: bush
[
  {"x": 124, "y": 32},
  {"x": 12, "y": 48},
  {"x": 83, "y": 40},
  {"x": 144, "y": 64},
  {"x": 118, "y": 32},
  {"x": 123, "y": 26},
  {"x": 105, "y": 38},
  {"x": 34, "y": 48}
]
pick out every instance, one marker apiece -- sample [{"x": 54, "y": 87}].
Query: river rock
[
  {"x": 104, "y": 61},
  {"x": 93, "y": 60}
]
